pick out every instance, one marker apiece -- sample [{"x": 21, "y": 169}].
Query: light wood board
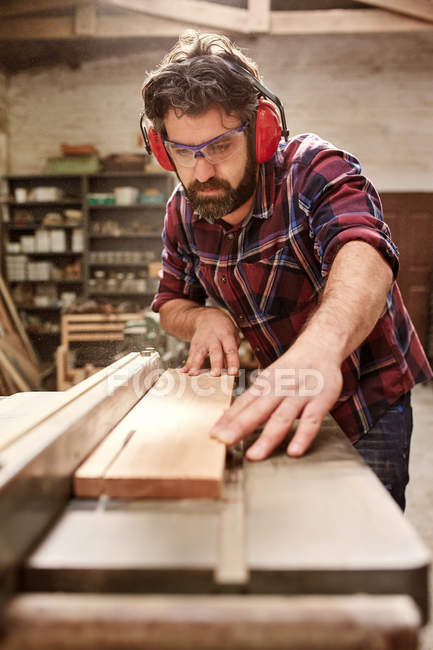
[
  {"x": 162, "y": 448},
  {"x": 177, "y": 622}
]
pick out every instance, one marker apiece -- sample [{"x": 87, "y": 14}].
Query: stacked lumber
[
  {"x": 162, "y": 448},
  {"x": 19, "y": 368}
]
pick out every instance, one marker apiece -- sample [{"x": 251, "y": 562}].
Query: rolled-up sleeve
[
  {"x": 345, "y": 207},
  {"x": 177, "y": 278}
]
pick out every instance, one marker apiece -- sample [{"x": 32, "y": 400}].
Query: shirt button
[
  {"x": 241, "y": 317},
  {"x": 223, "y": 279},
  {"x": 257, "y": 349},
  {"x": 230, "y": 235}
]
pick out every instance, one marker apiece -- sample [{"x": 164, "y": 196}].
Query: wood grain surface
[{"x": 162, "y": 448}]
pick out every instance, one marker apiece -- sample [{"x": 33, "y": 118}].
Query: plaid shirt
[{"x": 269, "y": 271}]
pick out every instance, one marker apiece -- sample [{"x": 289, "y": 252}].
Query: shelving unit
[{"x": 39, "y": 279}]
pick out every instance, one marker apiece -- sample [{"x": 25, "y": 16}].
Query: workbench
[{"x": 305, "y": 554}]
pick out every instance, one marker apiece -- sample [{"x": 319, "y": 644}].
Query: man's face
[{"x": 214, "y": 190}]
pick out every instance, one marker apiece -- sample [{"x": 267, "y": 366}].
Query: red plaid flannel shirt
[{"x": 269, "y": 271}]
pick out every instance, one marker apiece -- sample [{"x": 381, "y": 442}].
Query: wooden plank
[
  {"x": 89, "y": 477},
  {"x": 259, "y": 15},
  {"x": 418, "y": 8},
  {"x": 9, "y": 369},
  {"x": 108, "y": 26},
  {"x": 95, "y": 337},
  {"x": 16, "y": 320},
  {"x": 22, "y": 365},
  {"x": 45, "y": 28},
  {"x": 3, "y": 385},
  {"x": 85, "y": 20},
  {"x": 96, "y": 326},
  {"x": 142, "y": 622},
  {"x": 20, "y": 353},
  {"x": 103, "y": 318},
  {"x": 22, "y": 7},
  {"x": 282, "y": 22},
  {"x": 343, "y": 21},
  {"x": 30, "y": 420},
  {"x": 171, "y": 454},
  {"x": 194, "y": 11}
]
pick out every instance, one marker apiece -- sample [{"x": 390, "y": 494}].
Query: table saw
[{"x": 307, "y": 553}]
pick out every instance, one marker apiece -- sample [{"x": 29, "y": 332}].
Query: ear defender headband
[{"x": 270, "y": 125}]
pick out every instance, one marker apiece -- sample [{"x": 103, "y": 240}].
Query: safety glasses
[{"x": 215, "y": 151}]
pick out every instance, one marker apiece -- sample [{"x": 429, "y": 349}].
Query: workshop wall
[
  {"x": 369, "y": 94},
  {"x": 3, "y": 123}
]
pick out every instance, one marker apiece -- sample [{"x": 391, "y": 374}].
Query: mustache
[{"x": 211, "y": 184}]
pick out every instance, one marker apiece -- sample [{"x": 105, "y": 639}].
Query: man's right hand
[{"x": 215, "y": 335}]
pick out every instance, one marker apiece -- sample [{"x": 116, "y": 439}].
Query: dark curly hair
[{"x": 195, "y": 75}]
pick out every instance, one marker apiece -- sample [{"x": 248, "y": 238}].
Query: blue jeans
[{"x": 385, "y": 448}]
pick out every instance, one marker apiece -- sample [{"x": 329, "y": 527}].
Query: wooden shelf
[
  {"x": 31, "y": 226},
  {"x": 119, "y": 264},
  {"x": 130, "y": 174},
  {"x": 38, "y": 307},
  {"x": 46, "y": 281},
  {"x": 134, "y": 206},
  {"x": 131, "y": 235},
  {"x": 120, "y": 293},
  {"x": 47, "y": 254},
  {"x": 76, "y": 189},
  {"x": 33, "y": 204}
]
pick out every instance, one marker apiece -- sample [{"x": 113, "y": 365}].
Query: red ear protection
[
  {"x": 268, "y": 135},
  {"x": 268, "y": 130},
  {"x": 157, "y": 147}
]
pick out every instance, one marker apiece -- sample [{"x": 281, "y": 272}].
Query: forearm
[
  {"x": 353, "y": 300},
  {"x": 179, "y": 317}
]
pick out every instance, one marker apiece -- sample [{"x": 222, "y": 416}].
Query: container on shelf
[
  {"x": 27, "y": 243},
  {"x": 20, "y": 194},
  {"x": 101, "y": 198},
  {"x": 78, "y": 240},
  {"x": 13, "y": 247},
  {"x": 47, "y": 193},
  {"x": 151, "y": 197},
  {"x": 57, "y": 241},
  {"x": 42, "y": 241},
  {"x": 126, "y": 195}
]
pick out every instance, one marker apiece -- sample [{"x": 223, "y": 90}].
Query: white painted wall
[{"x": 369, "y": 94}]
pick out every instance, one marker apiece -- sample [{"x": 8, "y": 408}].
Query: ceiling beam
[
  {"x": 204, "y": 13},
  {"x": 417, "y": 8},
  {"x": 85, "y": 22},
  {"x": 107, "y": 26},
  {"x": 259, "y": 15},
  {"x": 10, "y": 8},
  {"x": 130, "y": 25},
  {"x": 344, "y": 21}
]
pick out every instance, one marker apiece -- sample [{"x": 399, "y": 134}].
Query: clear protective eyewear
[{"x": 216, "y": 150}]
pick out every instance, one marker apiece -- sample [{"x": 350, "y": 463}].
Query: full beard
[{"x": 214, "y": 208}]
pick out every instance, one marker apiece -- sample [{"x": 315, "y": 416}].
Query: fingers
[
  {"x": 276, "y": 429},
  {"x": 197, "y": 355},
  {"x": 231, "y": 356},
  {"x": 235, "y": 425},
  {"x": 217, "y": 350},
  {"x": 308, "y": 428}
]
